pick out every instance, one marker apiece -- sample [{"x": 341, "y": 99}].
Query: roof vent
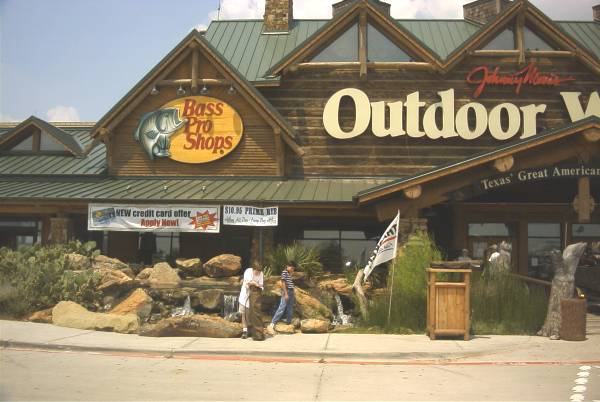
[
  {"x": 483, "y": 11},
  {"x": 340, "y": 7},
  {"x": 596, "y": 9},
  {"x": 279, "y": 16}
]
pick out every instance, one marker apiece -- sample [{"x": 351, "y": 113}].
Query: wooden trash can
[
  {"x": 573, "y": 319},
  {"x": 448, "y": 303}
]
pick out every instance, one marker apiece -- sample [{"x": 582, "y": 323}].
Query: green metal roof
[
  {"x": 586, "y": 33},
  {"x": 187, "y": 190},
  {"x": 252, "y": 53},
  {"x": 43, "y": 164}
]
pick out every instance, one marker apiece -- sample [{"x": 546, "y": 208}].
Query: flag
[{"x": 386, "y": 247}]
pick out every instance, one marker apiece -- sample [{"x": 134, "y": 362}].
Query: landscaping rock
[
  {"x": 223, "y": 265},
  {"x": 78, "y": 262},
  {"x": 339, "y": 285},
  {"x": 43, "y": 316},
  {"x": 144, "y": 274},
  {"x": 102, "y": 261},
  {"x": 306, "y": 306},
  {"x": 190, "y": 267},
  {"x": 129, "y": 272},
  {"x": 211, "y": 299},
  {"x": 112, "y": 278},
  {"x": 72, "y": 315},
  {"x": 199, "y": 325},
  {"x": 138, "y": 303},
  {"x": 229, "y": 283},
  {"x": 314, "y": 326},
  {"x": 163, "y": 276},
  {"x": 283, "y": 328}
]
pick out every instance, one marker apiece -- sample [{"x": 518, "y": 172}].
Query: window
[
  {"x": 48, "y": 143},
  {"x": 586, "y": 230},
  {"x": 483, "y": 235},
  {"x": 159, "y": 246},
  {"x": 542, "y": 238},
  {"x": 25, "y": 145},
  {"x": 16, "y": 233},
  {"x": 380, "y": 48},
  {"x": 340, "y": 248},
  {"x": 504, "y": 41},
  {"x": 488, "y": 229},
  {"x": 534, "y": 42},
  {"x": 343, "y": 49}
]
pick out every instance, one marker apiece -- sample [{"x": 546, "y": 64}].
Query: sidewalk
[{"x": 501, "y": 349}]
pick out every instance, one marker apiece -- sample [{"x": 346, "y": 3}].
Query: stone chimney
[
  {"x": 279, "y": 15},
  {"x": 596, "y": 9},
  {"x": 483, "y": 11},
  {"x": 343, "y": 5}
]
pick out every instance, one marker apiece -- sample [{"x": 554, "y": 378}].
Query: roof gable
[
  {"x": 192, "y": 42},
  {"x": 401, "y": 36},
  {"x": 33, "y": 123}
]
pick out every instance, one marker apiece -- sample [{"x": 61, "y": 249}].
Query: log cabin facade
[{"x": 480, "y": 130}]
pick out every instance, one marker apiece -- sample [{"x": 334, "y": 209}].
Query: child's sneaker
[{"x": 244, "y": 334}]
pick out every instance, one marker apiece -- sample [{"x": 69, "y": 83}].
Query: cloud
[
  {"x": 306, "y": 9},
  {"x": 62, "y": 113}
]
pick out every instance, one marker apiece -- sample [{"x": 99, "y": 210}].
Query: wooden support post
[
  {"x": 195, "y": 71},
  {"x": 362, "y": 45},
  {"x": 504, "y": 164},
  {"x": 584, "y": 200},
  {"x": 520, "y": 37},
  {"x": 280, "y": 151}
]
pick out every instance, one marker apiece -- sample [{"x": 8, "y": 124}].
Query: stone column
[
  {"x": 267, "y": 244},
  {"x": 59, "y": 230},
  {"x": 408, "y": 226}
]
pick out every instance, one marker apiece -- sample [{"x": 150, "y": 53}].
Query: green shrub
[
  {"x": 409, "y": 296},
  {"x": 37, "y": 277},
  {"x": 504, "y": 304},
  {"x": 306, "y": 258}
]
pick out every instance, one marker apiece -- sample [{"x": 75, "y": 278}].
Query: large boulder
[
  {"x": 102, "y": 261},
  {"x": 72, "y": 315},
  {"x": 42, "y": 316},
  {"x": 163, "y": 276},
  {"x": 230, "y": 283},
  {"x": 339, "y": 285},
  {"x": 223, "y": 265},
  {"x": 210, "y": 300},
  {"x": 111, "y": 279},
  {"x": 190, "y": 267},
  {"x": 306, "y": 305},
  {"x": 78, "y": 262},
  {"x": 314, "y": 326},
  {"x": 282, "y": 328},
  {"x": 144, "y": 274},
  {"x": 199, "y": 325},
  {"x": 138, "y": 303}
]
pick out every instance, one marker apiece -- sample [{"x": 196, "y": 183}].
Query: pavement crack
[{"x": 318, "y": 391}]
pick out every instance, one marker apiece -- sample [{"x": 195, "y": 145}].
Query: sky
[{"x": 72, "y": 60}]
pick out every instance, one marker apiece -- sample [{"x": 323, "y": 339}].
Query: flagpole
[{"x": 393, "y": 274}]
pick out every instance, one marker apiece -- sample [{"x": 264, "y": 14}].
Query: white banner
[
  {"x": 386, "y": 247},
  {"x": 243, "y": 215},
  {"x": 153, "y": 218}
]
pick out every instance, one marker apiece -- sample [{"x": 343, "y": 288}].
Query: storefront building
[{"x": 480, "y": 130}]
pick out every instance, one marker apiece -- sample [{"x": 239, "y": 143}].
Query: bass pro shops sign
[
  {"x": 414, "y": 118},
  {"x": 194, "y": 129}
]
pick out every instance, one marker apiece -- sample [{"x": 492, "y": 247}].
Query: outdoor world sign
[
  {"x": 194, "y": 129},
  {"x": 454, "y": 123}
]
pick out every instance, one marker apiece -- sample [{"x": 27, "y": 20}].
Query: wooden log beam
[
  {"x": 190, "y": 81},
  {"x": 584, "y": 200},
  {"x": 504, "y": 164},
  {"x": 195, "y": 71},
  {"x": 549, "y": 53},
  {"x": 413, "y": 192},
  {"x": 280, "y": 151},
  {"x": 519, "y": 37},
  {"x": 401, "y": 65},
  {"x": 495, "y": 53},
  {"x": 329, "y": 64},
  {"x": 592, "y": 135}
]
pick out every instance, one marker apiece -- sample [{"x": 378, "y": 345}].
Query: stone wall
[{"x": 482, "y": 11}]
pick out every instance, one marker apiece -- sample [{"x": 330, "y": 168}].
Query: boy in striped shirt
[{"x": 286, "y": 304}]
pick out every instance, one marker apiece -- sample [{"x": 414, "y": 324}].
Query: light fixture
[
  {"x": 204, "y": 90},
  {"x": 231, "y": 90},
  {"x": 180, "y": 91},
  {"x": 154, "y": 91}
]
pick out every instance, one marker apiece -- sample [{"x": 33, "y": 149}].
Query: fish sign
[{"x": 193, "y": 129}]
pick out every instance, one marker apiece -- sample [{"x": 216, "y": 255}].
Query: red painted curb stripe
[{"x": 290, "y": 360}]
